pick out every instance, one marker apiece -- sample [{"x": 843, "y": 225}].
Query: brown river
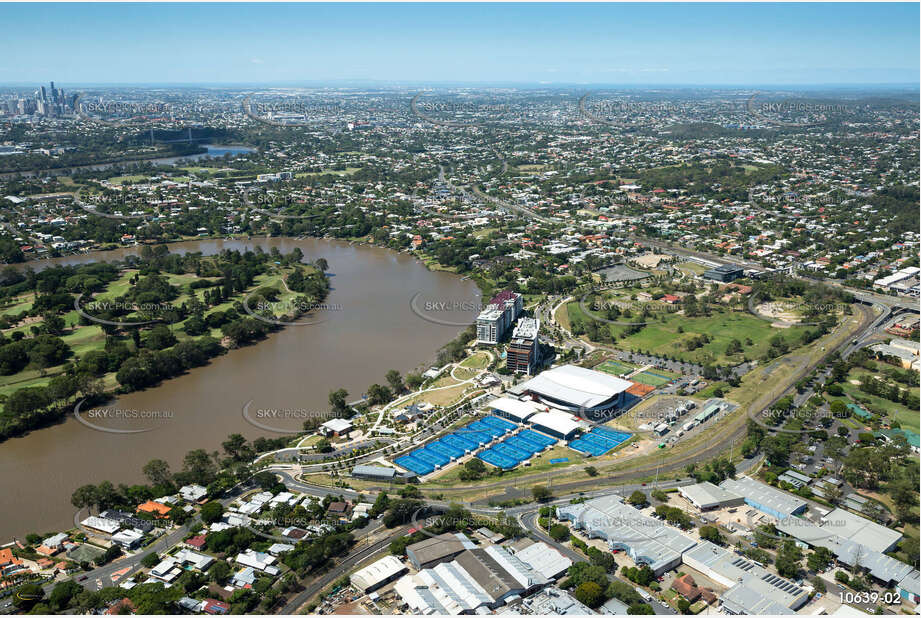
[{"x": 368, "y": 328}]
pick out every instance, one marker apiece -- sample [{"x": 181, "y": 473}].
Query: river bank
[{"x": 294, "y": 369}]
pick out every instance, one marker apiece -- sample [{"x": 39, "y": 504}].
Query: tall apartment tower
[
  {"x": 523, "y": 352},
  {"x": 498, "y": 316}
]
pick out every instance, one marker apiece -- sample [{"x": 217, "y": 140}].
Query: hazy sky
[{"x": 523, "y": 43}]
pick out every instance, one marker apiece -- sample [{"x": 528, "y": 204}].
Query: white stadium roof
[
  {"x": 514, "y": 407},
  {"x": 560, "y": 422},
  {"x": 576, "y": 387}
]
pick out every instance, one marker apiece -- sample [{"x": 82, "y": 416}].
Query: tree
[
  {"x": 584, "y": 572},
  {"x": 338, "y": 403},
  {"x": 637, "y": 498},
  {"x": 712, "y": 534},
  {"x": 199, "y": 467},
  {"x": 788, "y": 559},
  {"x": 378, "y": 395},
  {"x": 640, "y": 609},
  {"x": 235, "y": 447},
  {"x": 590, "y": 594},
  {"x": 820, "y": 559},
  {"x": 157, "y": 472},
  {"x": 150, "y": 560},
  {"x": 541, "y": 492},
  {"x": 27, "y": 595},
  {"x": 380, "y": 504},
  {"x": 159, "y": 338},
  {"x": 395, "y": 381},
  {"x": 819, "y": 584},
  {"x": 220, "y": 572},
  {"x": 84, "y": 496},
  {"x": 62, "y": 594},
  {"x": 591, "y": 471},
  {"x": 559, "y": 532},
  {"x": 211, "y": 512}
]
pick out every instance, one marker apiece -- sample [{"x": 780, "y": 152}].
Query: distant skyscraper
[{"x": 44, "y": 96}]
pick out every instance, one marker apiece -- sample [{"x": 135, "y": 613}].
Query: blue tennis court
[
  {"x": 619, "y": 436},
  {"x": 599, "y": 441},
  {"x": 523, "y": 445},
  {"x": 414, "y": 465},
  {"x": 538, "y": 438},
  {"x": 500, "y": 423},
  {"x": 431, "y": 457},
  {"x": 439, "y": 446},
  {"x": 494, "y": 458},
  {"x": 588, "y": 448},
  {"x": 480, "y": 432},
  {"x": 460, "y": 442},
  {"x": 511, "y": 452}
]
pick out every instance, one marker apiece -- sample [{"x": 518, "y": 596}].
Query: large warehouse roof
[
  {"x": 757, "y": 493},
  {"x": 576, "y": 387},
  {"x": 378, "y": 573},
  {"x": 754, "y": 590},
  {"x": 646, "y": 539},
  {"x": 861, "y": 530},
  {"x": 515, "y": 408},
  {"x": 847, "y": 551},
  {"x": 559, "y": 422},
  {"x": 706, "y": 495},
  {"x": 547, "y": 561}
]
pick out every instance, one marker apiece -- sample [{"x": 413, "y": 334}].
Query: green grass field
[
  {"x": 661, "y": 335},
  {"x": 22, "y": 303},
  {"x": 348, "y": 171},
  {"x": 907, "y": 418}
]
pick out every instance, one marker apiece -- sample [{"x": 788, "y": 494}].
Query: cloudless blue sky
[{"x": 519, "y": 43}]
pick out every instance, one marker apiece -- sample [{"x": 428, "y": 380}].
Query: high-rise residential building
[
  {"x": 498, "y": 316},
  {"x": 489, "y": 325},
  {"x": 523, "y": 351}
]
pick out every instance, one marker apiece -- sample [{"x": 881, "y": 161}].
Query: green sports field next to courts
[
  {"x": 616, "y": 368},
  {"x": 650, "y": 378}
]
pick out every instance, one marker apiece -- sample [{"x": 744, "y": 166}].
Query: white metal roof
[
  {"x": 544, "y": 559},
  {"x": 756, "y": 491},
  {"x": 754, "y": 589},
  {"x": 861, "y": 530},
  {"x": 557, "y": 421},
  {"x": 378, "y": 572},
  {"x": 337, "y": 424},
  {"x": 577, "y": 386},
  {"x": 646, "y": 539},
  {"x": 514, "y": 407},
  {"x": 101, "y": 523},
  {"x": 706, "y": 495}
]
